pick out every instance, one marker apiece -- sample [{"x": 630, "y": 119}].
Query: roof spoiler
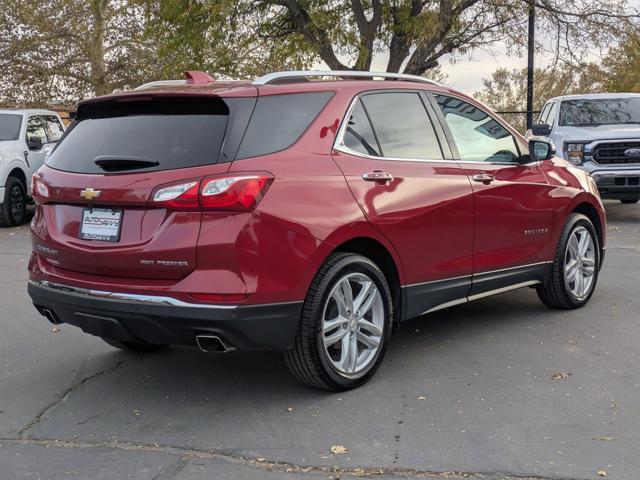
[{"x": 192, "y": 77}]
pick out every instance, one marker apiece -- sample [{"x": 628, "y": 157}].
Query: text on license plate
[{"x": 101, "y": 224}]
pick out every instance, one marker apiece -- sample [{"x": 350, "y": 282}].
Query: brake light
[
  {"x": 235, "y": 193},
  {"x": 241, "y": 193}
]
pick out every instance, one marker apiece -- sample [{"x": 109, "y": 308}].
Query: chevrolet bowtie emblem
[{"x": 89, "y": 193}]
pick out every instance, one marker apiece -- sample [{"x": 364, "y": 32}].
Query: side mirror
[
  {"x": 541, "y": 129},
  {"x": 34, "y": 143},
  {"x": 541, "y": 149}
]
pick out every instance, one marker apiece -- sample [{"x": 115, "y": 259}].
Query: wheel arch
[
  {"x": 589, "y": 211},
  {"x": 381, "y": 256},
  {"x": 19, "y": 174}
]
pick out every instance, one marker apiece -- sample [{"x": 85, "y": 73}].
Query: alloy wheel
[
  {"x": 353, "y": 324},
  {"x": 580, "y": 263}
]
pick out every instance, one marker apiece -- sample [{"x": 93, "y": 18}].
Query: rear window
[
  {"x": 120, "y": 137},
  {"x": 10, "y": 126},
  {"x": 279, "y": 120}
]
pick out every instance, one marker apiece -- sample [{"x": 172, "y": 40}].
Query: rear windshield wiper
[{"x": 114, "y": 163}]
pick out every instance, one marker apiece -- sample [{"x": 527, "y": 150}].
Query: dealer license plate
[{"x": 101, "y": 224}]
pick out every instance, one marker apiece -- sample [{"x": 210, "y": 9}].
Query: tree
[
  {"x": 506, "y": 90},
  {"x": 418, "y": 33},
  {"x": 70, "y": 49},
  {"x": 622, "y": 65}
]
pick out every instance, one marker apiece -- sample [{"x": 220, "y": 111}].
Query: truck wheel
[
  {"x": 345, "y": 325},
  {"x": 574, "y": 272},
  {"x": 630, "y": 200},
  {"x": 13, "y": 210},
  {"x": 135, "y": 347}
]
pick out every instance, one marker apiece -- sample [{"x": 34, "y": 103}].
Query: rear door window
[
  {"x": 402, "y": 125},
  {"x": 279, "y": 120},
  {"x": 358, "y": 135}
]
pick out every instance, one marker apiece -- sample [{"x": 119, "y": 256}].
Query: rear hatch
[{"x": 97, "y": 213}]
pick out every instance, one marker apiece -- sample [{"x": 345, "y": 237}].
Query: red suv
[{"x": 307, "y": 212}]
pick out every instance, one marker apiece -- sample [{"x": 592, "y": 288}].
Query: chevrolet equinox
[{"x": 307, "y": 212}]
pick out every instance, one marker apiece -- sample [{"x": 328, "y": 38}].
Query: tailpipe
[
  {"x": 213, "y": 344},
  {"x": 49, "y": 315}
]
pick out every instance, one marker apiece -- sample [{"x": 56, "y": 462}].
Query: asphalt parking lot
[{"x": 501, "y": 388}]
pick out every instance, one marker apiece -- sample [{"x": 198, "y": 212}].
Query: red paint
[{"x": 434, "y": 222}]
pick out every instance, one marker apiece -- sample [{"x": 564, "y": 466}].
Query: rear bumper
[{"x": 164, "y": 320}]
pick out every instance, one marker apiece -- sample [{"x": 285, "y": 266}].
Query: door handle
[
  {"x": 377, "y": 176},
  {"x": 485, "y": 178}
]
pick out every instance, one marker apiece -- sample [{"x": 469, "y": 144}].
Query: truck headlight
[{"x": 575, "y": 153}]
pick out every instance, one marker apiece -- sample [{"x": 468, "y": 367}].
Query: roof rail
[
  {"x": 192, "y": 77},
  {"x": 302, "y": 75}
]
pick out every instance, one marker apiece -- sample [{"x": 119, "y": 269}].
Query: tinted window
[
  {"x": 600, "y": 112},
  {"x": 174, "y": 141},
  {"x": 10, "y": 127},
  {"x": 358, "y": 135},
  {"x": 279, "y": 120},
  {"x": 479, "y": 137},
  {"x": 402, "y": 125},
  {"x": 35, "y": 129},
  {"x": 53, "y": 127}
]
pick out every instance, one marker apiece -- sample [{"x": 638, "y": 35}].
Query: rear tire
[
  {"x": 574, "y": 272},
  {"x": 626, "y": 201},
  {"x": 345, "y": 325},
  {"x": 13, "y": 210},
  {"x": 135, "y": 347}
]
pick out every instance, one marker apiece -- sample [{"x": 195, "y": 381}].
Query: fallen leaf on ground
[
  {"x": 338, "y": 449},
  {"x": 560, "y": 376},
  {"x": 604, "y": 438},
  {"x": 602, "y": 473},
  {"x": 422, "y": 397}
]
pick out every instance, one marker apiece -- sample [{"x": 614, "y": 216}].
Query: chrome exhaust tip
[
  {"x": 212, "y": 344},
  {"x": 49, "y": 315}
]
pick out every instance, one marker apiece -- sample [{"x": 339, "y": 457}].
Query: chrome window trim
[{"x": 338, "y": 143}]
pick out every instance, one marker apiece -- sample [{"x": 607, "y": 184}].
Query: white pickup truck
[
  {"x": 601, "y": 134},
  {"x": 26, "y": 138}
]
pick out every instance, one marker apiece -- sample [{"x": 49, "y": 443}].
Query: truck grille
[{"x": 613, "y": 153}]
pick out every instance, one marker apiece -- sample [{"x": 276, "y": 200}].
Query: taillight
[
  {"x": 235, "y": 193},
  {"x": 38, "y": 188},
  {"x": 182, "y": 196},
  {"x": 238, "y": 193}
]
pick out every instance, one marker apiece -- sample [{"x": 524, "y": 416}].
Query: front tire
[
  {"x": 574, "y": 273},
  {"x": 135, "y": 347},
  {"x": 13, "y": 210},
  {"x": 345, "y": 325}
]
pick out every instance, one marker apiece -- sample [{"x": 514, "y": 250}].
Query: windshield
[
  {"x": 10, "y": 126},
  {"x": 610, "y": 111}
]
